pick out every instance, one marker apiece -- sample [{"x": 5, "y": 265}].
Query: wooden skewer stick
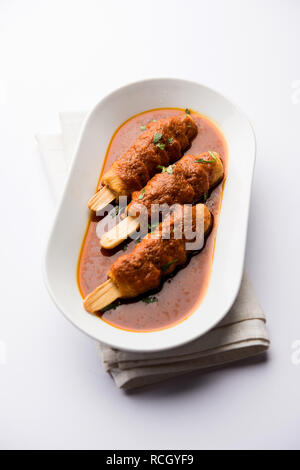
[
  {"x": 120, "y": 232},
  {"x": 101, "y": 199},
  {"x": 102, "y": 296}
]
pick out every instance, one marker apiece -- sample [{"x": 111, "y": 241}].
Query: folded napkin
[{"x": 241, "y": 334}]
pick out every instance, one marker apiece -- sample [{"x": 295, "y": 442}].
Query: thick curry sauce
[{"x": 180, "y": 295}]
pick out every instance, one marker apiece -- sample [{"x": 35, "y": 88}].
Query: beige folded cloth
[{"x": 241, "y": 334}]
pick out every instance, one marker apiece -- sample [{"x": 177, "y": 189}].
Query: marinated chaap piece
[
  {"x": 161, "y": 144},
  {"x": 155, "y": 257},
  {"x": 186, "y": 182}
]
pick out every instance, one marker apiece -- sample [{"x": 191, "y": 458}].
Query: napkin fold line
[
  {"x": 138, "y": 377},
  {"x": 112, "y": 359}
]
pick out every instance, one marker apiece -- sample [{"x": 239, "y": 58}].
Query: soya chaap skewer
[
  {"x": 186, "y": 182},
  {"x": 155, "y": 257},
  {"x": 162, "y": 143}
]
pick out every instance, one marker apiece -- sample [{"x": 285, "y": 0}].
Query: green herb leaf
[
  {"x": 168, "y": 169},
  {"x": 161, "y": 146},
  {"x": 187, "y": 111},
  {"x": 153, "y": 226},
  {"x": 170, "y": 140},
  {"x": 143, "y": 128},
  {"x": 142, "y": 194},
  {"x": 109, "y": 307},
  {"x": 115, "y": 212},
  {"x": 149, "y": 300},
  {"x": 201, "y": 160},
  {"x": 166, "y": 266},
  {"x": 125, "y": 248},
  {"x": 162, "y": 168},
  {"x": 157, "y": 137},
  {"x": 137, "y": 240},
  {"x": 205, "y": 197},
  {"x": 212, "y": 154},
  {"x": 153, "y": 120}
]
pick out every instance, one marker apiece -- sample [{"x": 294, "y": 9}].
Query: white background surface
[{"x": 66, "y": 55}]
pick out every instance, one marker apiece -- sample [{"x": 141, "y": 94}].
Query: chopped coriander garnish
[
  {"x": 137, "y": 240},
  {"x": 125, "y": 248},
  {"x": 156, "y": 140},
  {"x": 212, "y": 154},
  {"x": 201, "y": 160},
  {"x": 166, "y": 266},
  {"x": 109, "y": 307},
  {"x": 168, "y": 169},
  {"x": 153, "y": 120},
  {"x": 153, "y": 226},
  {"x": 162, "y": 168},
  {"x": 143, "y": 128},
  {"x": 115, "y": 211},
  {"x": 142, "y": 193},
  {"x": 157, "y": 137},
  {"x": 170, "y": 140},
  {"x": 205, "y": 197},
  {"x": 149, "y": 300},
  {"x": 187, "y": 111},
  {"x": 160, "y": 145}
]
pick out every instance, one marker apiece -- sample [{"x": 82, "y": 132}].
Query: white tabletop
[{"x": 66, "y": 55}]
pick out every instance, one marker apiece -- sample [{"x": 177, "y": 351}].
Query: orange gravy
[{"x": 180, "y": 295}]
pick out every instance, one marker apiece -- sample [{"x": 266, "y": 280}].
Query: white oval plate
[{"x": 72, "y": 215}]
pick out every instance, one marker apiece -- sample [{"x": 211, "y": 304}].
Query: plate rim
[{"x": 196, "y": 335}]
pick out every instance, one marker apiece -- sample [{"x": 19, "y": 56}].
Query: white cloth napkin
[{"x": 241, "y": 334}]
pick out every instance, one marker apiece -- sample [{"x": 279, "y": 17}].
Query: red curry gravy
[{"x": 181, "y": 294}]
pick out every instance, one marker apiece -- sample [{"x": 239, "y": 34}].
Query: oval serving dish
[{"x": 72, "y": 215}]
